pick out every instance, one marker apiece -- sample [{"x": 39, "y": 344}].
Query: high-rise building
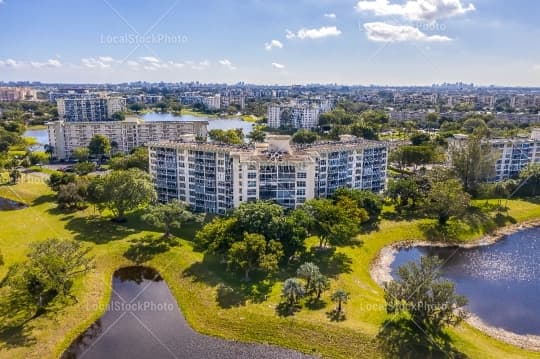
[
  {"x": 513, "y": 154},
  {"x": 9, "y": 94},
  {"x": 214, "y": 177},
  {"x": 89, "y": 108},
  {"x": 64, "y": 137},
  {"x": 295, "y": 116}
]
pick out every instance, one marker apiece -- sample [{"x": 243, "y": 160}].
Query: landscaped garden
[{"x": 196, "y": 280}]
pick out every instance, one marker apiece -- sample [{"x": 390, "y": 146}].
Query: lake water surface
[
  {"x": 501, "y": 281},
  {"x": 143, "y": 321}
]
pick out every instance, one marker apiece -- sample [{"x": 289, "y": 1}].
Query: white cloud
[
  {"x": 330, "y": 15},
  {"x": 383, "y": 32},
  {"x": 150, "y": 59},
  {"x": 320, "y": 33},
  {"x": 227, "y": 64},
  {"x": 273, "y": 44},
  {"x": 289, "y": 34},
  {"x": 9, "y": 63},
  {"x": 199, "y": 66},
  {"x": 95, "y": 63},
  {"x": 278, "y": 66},
  {"x": 416, "y": 10},
  {"x": 177, "y": 65},
  {"x": 51, "y": 63}
]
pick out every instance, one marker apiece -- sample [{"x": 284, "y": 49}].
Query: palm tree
[
  {"x": 293, "y": 290},
  {"x": 49, "y": 150},
  {"x": 308, "y": 271},
  {"x": 319, "y": 284},
  {"x": 340, "y": 297}
]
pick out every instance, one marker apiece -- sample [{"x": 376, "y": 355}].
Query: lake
[
  {"x": 213, "y": 123},
  {"x": 143, "y": 321},
  {"x": 501, "y": 281},
  {"x": 42, "y": 136}
]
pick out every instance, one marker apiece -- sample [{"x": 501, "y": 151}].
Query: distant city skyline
[{"x": 381, "y": 42}]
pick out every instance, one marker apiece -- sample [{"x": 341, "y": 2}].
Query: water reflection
[
  {"x": 143, "y": 321},
  {"x": 502, "y": 281}
]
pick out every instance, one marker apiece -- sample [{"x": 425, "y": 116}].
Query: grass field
[{"x": 193, "y": 282}]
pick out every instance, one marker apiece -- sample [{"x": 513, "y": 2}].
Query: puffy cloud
[
  {"x": 96, "y": 63},
  {"x": 383, "y": 32},
  {"x": 150, "y": 59},
  {"x": 330, "y": 15},
  {"x": 416, "y": 10},
  {"x": 273, "y": 44},
  {"x": 289, "y": 34},
  {"x": 10, "y": 63},
  {"x": 278, "y": 66},
  {"x": 320, "y": 33},
  {"x": 51, "y": 63},
  {"x": 227, "y": 64}
]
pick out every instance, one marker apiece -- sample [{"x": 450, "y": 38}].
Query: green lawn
[{"x": 193, "y": 283}]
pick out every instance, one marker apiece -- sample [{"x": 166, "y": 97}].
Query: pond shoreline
[{"x": 380, "y": 272}]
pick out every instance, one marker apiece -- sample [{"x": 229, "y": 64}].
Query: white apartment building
[
  {"x": 215, "y": 177},
  {"x": 89, "y": 108},
  {"x": 9, "y": 94},
  {"x": 513, "y": 154},
  {"x": 213, "y": 103},
  {"x": 64, "y": 137},
  {"x": 293, "y": 116}
]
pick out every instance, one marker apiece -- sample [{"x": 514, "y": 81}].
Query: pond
[
  {"x": 213, "y": 123},
  {"x": 143, "y": 321},
  {"x": 41, "y": 136},
  {"x": 501, "y": 281},
  {"x": 9, "y": 205}
]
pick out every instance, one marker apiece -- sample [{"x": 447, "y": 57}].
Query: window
[
  {"x": 301, "y": 175},
  {"x": 301, "y": 184}
]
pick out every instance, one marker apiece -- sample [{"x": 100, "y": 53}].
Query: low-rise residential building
[
  {"x": 64, "y": 137},
  {"x": 10, "y": 94},
  {"x": 215, "y": 177}
]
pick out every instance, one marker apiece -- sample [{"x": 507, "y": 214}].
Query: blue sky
[{"x": 394, "y": 42}]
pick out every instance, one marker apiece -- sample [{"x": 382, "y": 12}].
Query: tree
[
  {"x": 257, "y": 134},
  {"x": 15, "y": 176},
  {"x": 81, "y": 154},
  {"x": 293, "y": 290},
  {"x": 217, "y": 236},
  {"x": 118, "y": 116},
  {"x": 99, "y": 146},
  {"x": 406, "y": 156},
  {"x": 58, "y": 179},
  {"x": 138, "y": 158},
  {"x": 319, "y": 284},
  {"x": 123, "y": 191},
  {"x": 304, "y": 137},
  {"x": 308, "y": 271},
  {"x": 431, "y": 302},
  {"x": 530, "y": 180},
  {"x": 169, "y": 216},
  {"x": 473, "y": 162},
  {"x": 406, "y": 193},
  {"x": 474, "y": 124},
  {"x": 254, "y": 253},
  {"x": 371, "y": 202},
  {"x": 84, "y": 168},
  {"x": 340, "y": 297},
  {"x": 50, "y": 269},
  {"x": 446, "y": 199},
  {"x": 232, "y": 136},
  {"x": 420, "y": 139},
  {"x": 72, "y": 195},
  {"x": 137, "y": 107},
  {"x": 39, "y": 158},
  {"x": 333, "y": 223}
]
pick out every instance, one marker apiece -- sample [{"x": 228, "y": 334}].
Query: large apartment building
[
  {"x": 64, "y": 137},
  {"x": 90, "y": 108},
  {"x": 295, "y": 116},
  {"x": 216, "y": 177},
  {"x": 9, "y": 94},
  {"x": 513, "y": 154}
]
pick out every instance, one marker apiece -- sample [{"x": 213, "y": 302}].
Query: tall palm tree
[
  {"x": 293, "y": 290},
  {"x": 308, "y": 271},
  {"x": 319, "y": 284},
  {"x": 340, "y": 297}
]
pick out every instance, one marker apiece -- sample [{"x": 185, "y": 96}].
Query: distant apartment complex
[
  {"x": 214, "y": 177},
  {"x": 9, "y": 94},
  {"x": 513, "y": 154},
  {"x": 89, "y": 108},
  {"x": 64, "y": 137},
  {"x": 293, "y": 116},
  {"x": 215, "y": 102}
]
